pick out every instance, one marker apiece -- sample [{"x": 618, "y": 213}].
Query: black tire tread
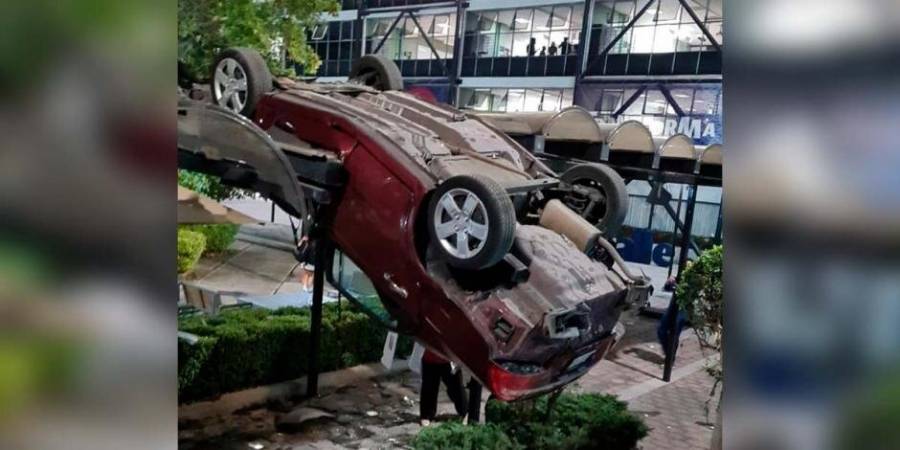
[{"x": 390, "y": 74}]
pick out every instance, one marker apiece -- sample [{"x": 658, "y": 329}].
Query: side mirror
[{"x": 353, "y": 283}]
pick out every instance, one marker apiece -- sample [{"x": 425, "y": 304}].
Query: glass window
[
  {"x": 705, "y": 101},
  {"x": 665, "y": 39},
  {"x": 409, "y": 28},
  {"x": 656, "y": 103},
  {"x": 683, "y": 97},
  {"x": 427, "y": 23},
  {"x": 532, "y": 100},
  {"x": 560, "y": 18},
  {"x": 498, "y": 101},
  {"x": 642, "y": 40},
  {"x": 480, "y": 100},
  {"x": 352, "y": 282},
  {"x": 621, "y": 12},
  {"x": 610, "y": 100},
  {"x": 473, "y": 19},
  {"x": 551, "y": 100},
  {"x": 515, "y": 100},
  {"x": 542, "y": 18},
  {"x": 505, "y": 20},
  {"x": 636, "y": 107},
  {"x": 567, "y": 98},
  {"x": 319, "y": 31},
  {"x": 523, "y": 20},
  {"x": 521, "y": 42},
  {"x": 487, "y": 20},
  {"x": 504, "y": 44},
  {"x": 668, "y": 11}
]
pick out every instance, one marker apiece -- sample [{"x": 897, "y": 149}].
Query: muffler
[{"x": 558, "y": 217}]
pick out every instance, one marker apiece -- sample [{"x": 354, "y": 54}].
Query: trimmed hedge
[
  {"x": 190, "y": 247},
  {"x": 577, "y": 421},
  {"x": 454, "y": 435},
  {"x": 218, "y": 236},
  {"x": 244, "y": 348}
]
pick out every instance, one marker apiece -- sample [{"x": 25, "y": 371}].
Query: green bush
[
  {"x": 218, "y": 237},
  {"x": 190, "y": 247},
  {"x": 700, "y": 295},
  {"x": 454, "y": 435},
  {"x": 243, "y": 348},
  {"x": 207, "y": 185},
  {"x": 577, "y": 421}
]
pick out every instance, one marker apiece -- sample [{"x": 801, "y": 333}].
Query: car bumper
[{"x": 509, "y": 386}]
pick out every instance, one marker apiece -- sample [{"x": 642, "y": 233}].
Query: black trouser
[{"x": 432, "y": 375}]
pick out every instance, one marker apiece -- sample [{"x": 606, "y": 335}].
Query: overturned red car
[{"x": 458, "y": 235}]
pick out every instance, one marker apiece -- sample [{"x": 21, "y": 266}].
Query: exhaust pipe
[{"x": 559, "y": 218}]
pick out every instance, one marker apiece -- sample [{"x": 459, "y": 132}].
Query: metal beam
[
  {"x": 690, "y": 11},
  {"x": 620, "y": 35},
  {"x": 389, "y": 31},
  {"x": 458, "y": 42},
  {"x": 668, "y": 95},
  {"x": 407, "y": 8},
  {"x": 628, "y": 102},
  {"x": 584, "y": 50},
  {"x": 322, "y": 248}
]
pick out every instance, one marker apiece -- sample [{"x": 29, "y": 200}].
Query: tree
[
  {"x": 700, "y": 294},
  {"x": 274, "y": 27}
]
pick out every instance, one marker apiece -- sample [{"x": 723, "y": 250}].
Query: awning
[{"x": 631, "y": 136}]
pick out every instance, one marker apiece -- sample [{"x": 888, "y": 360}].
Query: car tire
[
  {"x": 606, "y": 203},
  {"x": 477, "y": 229},
  {"x": 378, "y": 72},
  {"x": 239, "y": 79}
]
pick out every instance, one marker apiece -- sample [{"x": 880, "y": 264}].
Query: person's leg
[
  {"x": 474, "y": 412},
  {"x": 455, "y": 391},
  {"x": 431, "y": 382}
]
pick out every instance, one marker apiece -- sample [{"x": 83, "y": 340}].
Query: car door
[{"x": 372, "y": 225}]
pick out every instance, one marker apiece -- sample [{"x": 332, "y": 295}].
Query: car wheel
[
  {"x": 378, "y": 72},
  {"x": 598, "y": 194},
  {"x": 472, "y": 221},
  {"x": 240, "y": 78}
]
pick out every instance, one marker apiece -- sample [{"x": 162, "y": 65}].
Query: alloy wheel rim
[
  {"x": 461, "y": 223},
  {"x": 230, "y": 85}
]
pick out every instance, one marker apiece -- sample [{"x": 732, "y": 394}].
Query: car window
[{"x": 350, "y": 280}]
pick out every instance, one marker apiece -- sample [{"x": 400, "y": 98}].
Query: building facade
[{"x": 655, "y": 61}]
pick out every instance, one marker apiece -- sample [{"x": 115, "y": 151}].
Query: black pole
[
  {"x": 675, "y": 229},
  {"x": 672, "y": 318},
  {"x": 315, "y": 325}
]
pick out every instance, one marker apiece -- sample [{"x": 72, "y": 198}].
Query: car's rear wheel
[
  {"x": 240, "y": 78},
  {"x": 598, "y": 194},
  {"x": 472, "y": 221},
  {"x": 378, "y": 72}
]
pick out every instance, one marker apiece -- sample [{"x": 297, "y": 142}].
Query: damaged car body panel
[{"x": 526, "y": 324}]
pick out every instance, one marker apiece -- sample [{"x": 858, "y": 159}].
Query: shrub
[
  {"x": 582, "y": 421},
  {"x": 207, "y": 185},
  {"x": 190, "y": 247},
  {"x": 455, "y": 435},
  {"x": 700, "y": 296},
  {"x": 243, "y": 348},
  {"x": 218, "y": 237}
]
